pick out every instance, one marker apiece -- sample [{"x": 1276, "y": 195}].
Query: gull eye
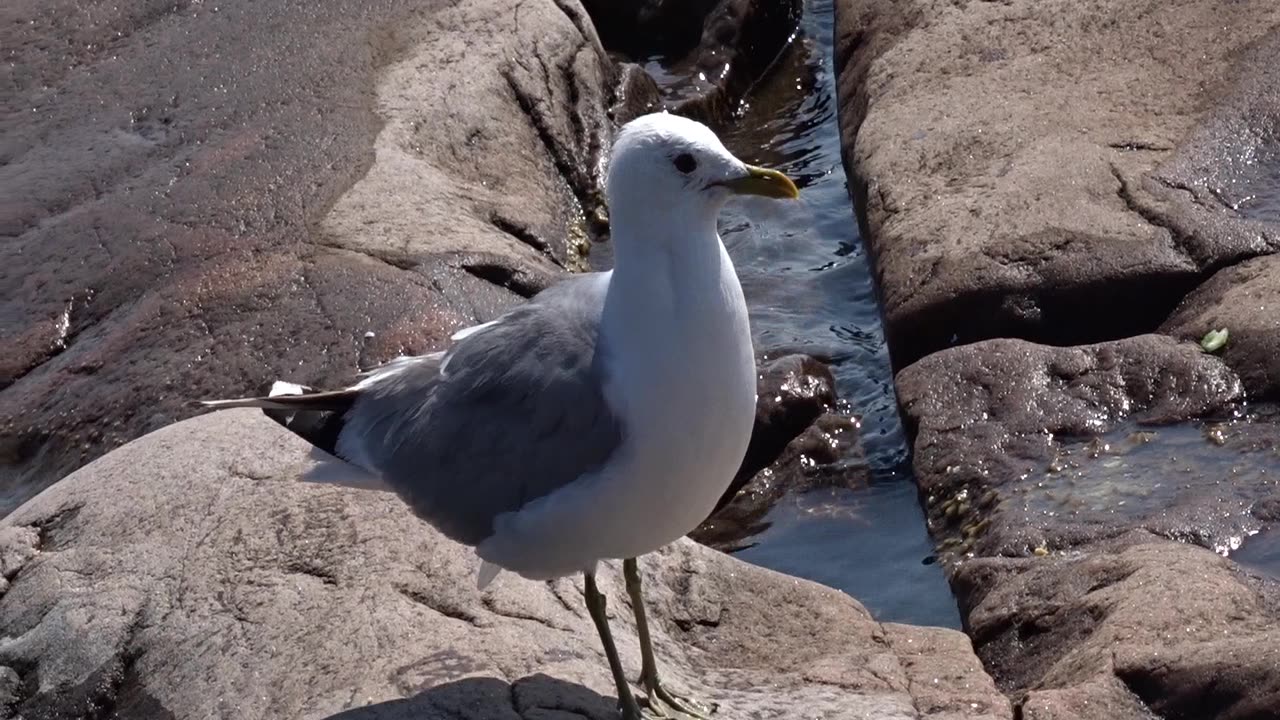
[{"x": 685, "y": 163}]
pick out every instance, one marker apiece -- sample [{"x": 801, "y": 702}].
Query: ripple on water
[
  {"x": 809, "y": 288},
  {"x": 1256, "y": 192}
]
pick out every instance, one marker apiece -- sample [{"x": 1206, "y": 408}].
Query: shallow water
[
  {"x": 1197, "y": 480},
  {"x": 1261, "y": 553},
  {"x": 806, "y": 277}
]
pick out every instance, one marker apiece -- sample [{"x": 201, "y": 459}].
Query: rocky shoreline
[{"x": 1061, "y": 200}]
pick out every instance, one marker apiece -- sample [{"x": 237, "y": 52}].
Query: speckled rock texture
[
  {"x": 1043, "y": 186},
  {"x": 1061, "y": 171},
  {"x": 190, "y": 574},
  {"x": 199, "y": 198}
]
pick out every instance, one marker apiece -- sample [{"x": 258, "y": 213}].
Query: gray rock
[
  {"x": 189, "y": 574},
  {"x": 1043, "y": 174},
  {"x": 792, "y": 391},
  {"x": 1244, "y": 299}
]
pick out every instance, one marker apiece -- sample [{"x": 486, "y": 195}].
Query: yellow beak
[{"x": 764, "y": 182}]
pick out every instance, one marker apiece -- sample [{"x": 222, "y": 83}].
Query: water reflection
[{"x": 809, "y": 287}]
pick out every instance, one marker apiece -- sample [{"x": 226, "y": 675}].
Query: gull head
[{"x": 668, "y": 164}]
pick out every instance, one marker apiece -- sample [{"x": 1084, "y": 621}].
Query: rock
[
  {"x": 825, "y": 454},
  {"x": 187, "y": 229},
  {"x": 1244, "y": 299},
  {"x": 189, "y": 574},
  {"x": 1126, "y": 629},
  {"x": 711, "y": 51},
  {"x": 1042, "y": 172},
  {"x": 1022, "y": 446},
  {"x": 792, "y": 391},
  {"x": 641, "y": 28}
]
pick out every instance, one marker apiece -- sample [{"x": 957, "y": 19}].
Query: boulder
[
  {"x": 169, "y": 242},
  {"x": 1039, "y": 462},
  {"x": 1128, "y": 628},
  {"x": 1061, "y": 171},
  {"x": 191, "y": 574},
  {"x": 1244, "y": 299},
  {"x": 825, "y": 454},
  {"x": 200, "y": 199},
  {"x": 711, "y": 52},
  {"x": 1022, "y": 447}
]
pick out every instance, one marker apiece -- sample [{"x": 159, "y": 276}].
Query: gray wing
[{"x": 510, "y": 413}]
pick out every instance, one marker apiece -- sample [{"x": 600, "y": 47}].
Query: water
[
  {"x": 1196, "y": 481},
  {"x": 809, "y": 286},
  {"x": 1261, "y": 553}
]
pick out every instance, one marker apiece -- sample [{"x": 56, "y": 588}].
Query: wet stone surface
[{"x": 1024, "y": 449}]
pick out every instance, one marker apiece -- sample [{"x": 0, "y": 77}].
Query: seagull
[{"x": 600, "y": 420}]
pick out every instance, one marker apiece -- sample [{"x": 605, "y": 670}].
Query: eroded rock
[
  {"x": 190, "y": 574},
  {"x": 1244, "y": 299},
  {"x": 310, "y": 190},
  {"x": 1126, "y": 628},
  {"x": 1022, "y": 168},
  {"x": 826, "y": 454}
]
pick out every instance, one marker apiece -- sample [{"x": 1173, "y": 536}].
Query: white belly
[{"x": 684, "y": 385}]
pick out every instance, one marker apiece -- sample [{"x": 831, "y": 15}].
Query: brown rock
[
  {"x": 199, "y": 199},
  {"x": 189, "y": 574},
  {"x": 791, "y": 392},
  {"x": 826, "y": 454},
  {"x": 712, "y": 51},
  {"x": 1244, "y": 299},
  {"x": 1021, "y": 169},
  {"x": 1015, "y": 443},
  {"x": 1127, "y": 628}
]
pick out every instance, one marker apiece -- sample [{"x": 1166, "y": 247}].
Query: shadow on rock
[{"x": 491, "y": 698}]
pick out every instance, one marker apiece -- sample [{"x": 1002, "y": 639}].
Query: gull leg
[
  {"x": 596, "y": 608},
  {"x": 649, "y": 666}
]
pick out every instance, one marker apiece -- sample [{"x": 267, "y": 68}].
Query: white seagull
[{"x": 603, "y": 418}]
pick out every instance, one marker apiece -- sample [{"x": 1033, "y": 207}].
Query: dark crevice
[
  {"x": 49, "y": 527},
  {"x": 569, "y": 170},
  {"x": 504, "y": 276},
  {"x": 439, "y": 606},
  {"x": 524, "y": 235},
  {"x": 1139, "y": 145},
  {"x": 688, "y": 623},
  {"x": 312, "y": 569}
]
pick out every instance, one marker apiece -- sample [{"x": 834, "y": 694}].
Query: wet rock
[
  {"x": 1127, "y": 628},
  {"x": 711, "y": 51},
  {"x": 1000, "y": 423},
  {"x": 826, "y": 454},
  {"x": 641, "y": 28},
  {"x": 791, "y": 392},
  {"x": 192, "y": 566},
  {"x": 1044, "y": 174},
  {"x": 1244, "y": 299},
  {"x": 302, "y": 177}
]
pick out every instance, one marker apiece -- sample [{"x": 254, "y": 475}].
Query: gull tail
[{"x": 317, "y": 417}]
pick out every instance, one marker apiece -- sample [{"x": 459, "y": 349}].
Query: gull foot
[
  {"x": 642, "y": 709},
  {"x": 658, "y": 696}
]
